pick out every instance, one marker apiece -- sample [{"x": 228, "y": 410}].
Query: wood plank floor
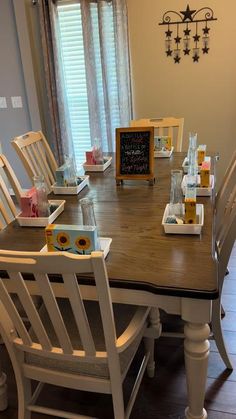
[{"x": 164, "y": 396}]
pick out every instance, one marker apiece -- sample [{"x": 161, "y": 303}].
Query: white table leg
[
  {"x": 153, "y": 332},
  {"x": 196, "y": 349}
]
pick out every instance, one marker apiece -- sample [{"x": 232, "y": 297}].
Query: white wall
[{"x": 204, "y": 93}]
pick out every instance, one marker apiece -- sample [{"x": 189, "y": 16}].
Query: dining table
[{"x": 173, "y": 272}]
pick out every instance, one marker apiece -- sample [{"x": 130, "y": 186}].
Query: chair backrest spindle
[
  {"x": 164, "y": 126},
  {"x": 8, "y": 210},
  {"x": 36, "y": 155}
]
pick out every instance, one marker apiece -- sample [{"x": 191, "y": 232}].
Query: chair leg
[
  {"x": 153, "y": 332},
  {"x": 218, "y": 334},
  {"x": 149, "y": 346},
  {"x": 118, "y": 404},
  {"x": 24, "y": 396}
]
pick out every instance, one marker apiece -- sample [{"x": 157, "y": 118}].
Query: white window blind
[{"x": 72, "y": 53}]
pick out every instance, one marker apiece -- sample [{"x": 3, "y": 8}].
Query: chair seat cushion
[{"x": 122, "y": 314}]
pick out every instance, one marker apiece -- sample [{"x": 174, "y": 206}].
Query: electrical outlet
[
  {"x": 3, "y": 102},
  {"x": 16, "y": 101}
]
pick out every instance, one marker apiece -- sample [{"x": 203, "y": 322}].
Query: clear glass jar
[
  {"x": 97, "y": 151},
  {"x": 72, "y": 177},
  {"x": 192, "y": 143},
  {"x": 176, "y": 196},
  {"x": 41, "y": 193},
  {"x": 88, "y": 216},
  {"x": 192, "y": 160}
]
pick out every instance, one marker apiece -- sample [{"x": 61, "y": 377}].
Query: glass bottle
[
  {"x": 71, "y": 167},
  {"x": 192, "y": 176},
  {"x": 88, "y": 216},
  {"x": 41, "y": 193},
  {"x": 176, "y": 196},
  {"x": 192, "y": 143},
  {"x": 97, "y": 151}
]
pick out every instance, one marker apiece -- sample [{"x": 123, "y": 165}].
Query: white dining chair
[
  {"x": 73, "y": 343},
  {"x": 170, "y": 126},
  {"x": 8, "y": 179},
  {"x": 224, "y": 239},
  {"x": 225, "y": 215},
  {"x": 36, "y": 156},
  {"x": 222, "y": 196}
]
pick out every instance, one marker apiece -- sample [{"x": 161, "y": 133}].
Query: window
[{"x": 70, "y": 36}]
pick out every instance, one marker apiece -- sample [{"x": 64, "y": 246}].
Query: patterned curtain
[
  {"x": 60, "y": 120},
  {"x": 60, "y": 123}
]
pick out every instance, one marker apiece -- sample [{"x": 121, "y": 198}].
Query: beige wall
[{"x": 204, "y": 93}]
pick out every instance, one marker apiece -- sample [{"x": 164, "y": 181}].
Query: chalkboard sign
[{"x": 134, "y": 153}]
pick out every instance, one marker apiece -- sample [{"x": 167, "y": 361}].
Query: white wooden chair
[
  {"x": 225, "y": 236},
  {"x": 172, "y": 127},
  {"x": 224, "y": 191},
  {"x": 225, "y": 214},
  {"x": 8, "y": 210},
  {"x": 36, "y": 156},
  {"x": 71, "y": 343}
]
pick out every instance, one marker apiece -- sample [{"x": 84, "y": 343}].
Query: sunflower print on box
[{"x": 71, "y": 238}]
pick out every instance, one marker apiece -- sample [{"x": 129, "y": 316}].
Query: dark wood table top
[{"x": 141, "y": 256}]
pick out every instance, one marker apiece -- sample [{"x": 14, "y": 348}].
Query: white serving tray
[
  {"x": 184, "y": 228},
  {"x": 70, "y": 190},
  {"x": 199, "y": 190},
  {"x": 98, "y": 167},
  {"x": 161, "y": 154},
  {"x": 185, "y": 167},
  {"x": 104, "y": 241},
  {"x": 42, "y": 221}
]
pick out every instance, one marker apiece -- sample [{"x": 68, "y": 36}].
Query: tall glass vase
[
  {"x": 41, "y": 193},
  {"x": 176, "y": 196},
  {"x": 192, "y": 143},
  {"x": 192, "y": 161},
  {"x": 88, "y": 216}
]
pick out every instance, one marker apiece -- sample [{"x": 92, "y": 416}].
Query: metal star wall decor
[{"x": 194, "y": 36}]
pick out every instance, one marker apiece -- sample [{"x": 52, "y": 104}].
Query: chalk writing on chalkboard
[{"x": 134, "y": 153}]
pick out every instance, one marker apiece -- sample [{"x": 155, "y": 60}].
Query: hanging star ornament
[
  {"x": 205, "y": 50},
  {"x": 177, "y": 39},
  {"x": 206, "y": 30},
  {"x": 177, "y": 59},
  {"x": 168, "y": 52},
  {"x": 196, "y": 37},
  {"x": 186, "y": 51},
  {"x": 195, "y": 58},
  {"x": 187, "y": 32},
  {"x": 187, "y": 14},
  {"x": 168, "y": 33}
]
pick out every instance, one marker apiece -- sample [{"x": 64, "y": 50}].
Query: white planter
[
  {"x": 71, "y": 190},
  {"x": 184, "y": 228},
  {"x": 200, "y": 191},
  {"x": 161, "y": 154},
  {"x": 98, "y": 167},
  {"x": 104, "y": 241},
  {"x": 42, "y": 221}
]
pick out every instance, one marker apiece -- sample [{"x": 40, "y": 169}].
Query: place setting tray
[
  {"x": 105, "y": 243},
  {"x": 185, "y": 166},
  {"x": 42, "y": 221},
  {"x": 200, "y": 191},
  {"x": 71, "y": 190},
  {"x": 184, "y": 228},
  {"x": 98, "y": 167},
  {"x": 162, "y": 153}
]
